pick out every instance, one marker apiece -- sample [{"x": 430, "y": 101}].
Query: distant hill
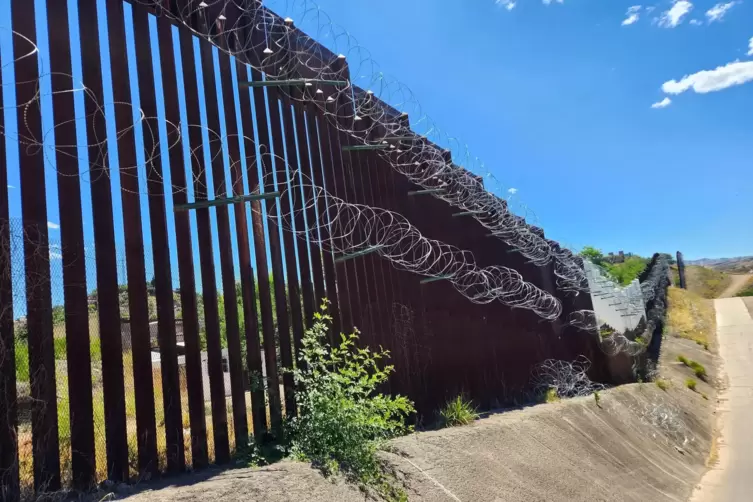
[{"x": 737, "y": 265}]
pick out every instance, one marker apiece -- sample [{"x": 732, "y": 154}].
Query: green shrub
[
  {"x": 343, "y": 420},
  {"x": 691, "y": 384},
  {"x": 458, "y": 411},
  {"x": 662, "y": 384},
  {"x": 684, "y": 360}
]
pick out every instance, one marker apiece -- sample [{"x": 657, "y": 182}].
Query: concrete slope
[{"x": 731, "y": 480}]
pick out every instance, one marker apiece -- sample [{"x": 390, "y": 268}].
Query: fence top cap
[
  {"x": 369, "y": 92},
  {"x": 203, "y": 5},
  {"x": 221, "y": 17},
  {"x": 289, "y": 20},
  {"x": 341, "y": 56},
  {"x": 268, "y": 51}
]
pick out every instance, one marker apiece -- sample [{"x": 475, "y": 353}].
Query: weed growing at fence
[
  {"x": 343, "y": 420},
  {"x": 458, "y": 411},
  {"x": 597, "y": 398},
  {"x": 691, "y": 384},
  {"x": 551, "y": 396}
]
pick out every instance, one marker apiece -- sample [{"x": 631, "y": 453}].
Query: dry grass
[
  {"x": 706, "y": 282},
  {"x": 690, "y": 316}
]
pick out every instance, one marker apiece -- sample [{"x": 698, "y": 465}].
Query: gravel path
[{"x": 738, "y": 282}]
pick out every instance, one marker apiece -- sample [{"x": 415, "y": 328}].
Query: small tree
[{"x": 343, "y": 419}]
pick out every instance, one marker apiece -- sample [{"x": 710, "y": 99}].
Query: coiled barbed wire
[
  {"x": 567, "y": 378},
  {"x": 358, "y": 105},
  {"x": 346, "y": 229}
]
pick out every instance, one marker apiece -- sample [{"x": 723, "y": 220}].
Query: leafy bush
[
  {"x": 691, "y": 384},
  {"x": 343, "y": 420},
  {"x": 458, "y": 411}
]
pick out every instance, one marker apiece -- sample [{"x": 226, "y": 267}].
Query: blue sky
[
  {"x": 619, "y": 125},
  {"x": 556, "y": 99}
]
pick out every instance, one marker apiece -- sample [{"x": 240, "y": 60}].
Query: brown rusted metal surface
[
  {"x": 104, "y": 239},
  {"x": 259, "y": 412},
  {"x": 221, "y": 189},
  {"x": 73, "y": 252},
  {"x": 138, "y": 307},
  {"x": 206, "y": 258},
  {"x": 176, "y": 460},
  {"x": 248, "y": 295},
  {"x": 189, "y": 306},
  {"x": 44, "y": 423}
]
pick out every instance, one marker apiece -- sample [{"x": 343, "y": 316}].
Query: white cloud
[
  {"x": 717, "y": 12},
  {"x": 750, "y": 47},
  {"x": 55, "y": 256},
  {"x": 673, "y": 16},
  {"x": 507, "y": 4},
  {"x": 663, "y": 103},
  {"x": 547, "y": 2},
  {"x": 512, "y": 191},
  {"x": 695, "y": 22},
  {"x": 11, "y": 186},
  {"x": 52, "y": 226},
  {"x": 731, "y": 74},
  {"x": 633, "y": 13},
  {"x": 650, "y": 9}
]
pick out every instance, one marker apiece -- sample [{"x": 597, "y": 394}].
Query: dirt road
[
  {"x": 738, "y": 282},
  {"x": 730, "y": 480}
]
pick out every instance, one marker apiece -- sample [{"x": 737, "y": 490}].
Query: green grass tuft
[
  {"x": 691, "y": 384},
  {"x": 663, "y": 384},
  {"x": 458, "y": 411}
]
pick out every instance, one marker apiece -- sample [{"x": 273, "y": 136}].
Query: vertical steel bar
[
  {"x": 305, "y": 210},
  {"x": 248, "y": 295},
  {"x": 319, "y": 137},
  {"x": 189, "y": 305},
  {"x": 44, "y": 420},
  {"x": 104, "y": 240},
  {"x": 260, "y": 251},
  {"x": 294, "y": 263},
  {"x": 176, "y": 460},
  {"x": 138, "y": 307},
  {"x": 276, "y": 172},
  {"x": 73, "y": 251},
  {"x": 208, "y": 279},
  {"x": 226, "y": 251},
  {"x": 9, "y": 480}
]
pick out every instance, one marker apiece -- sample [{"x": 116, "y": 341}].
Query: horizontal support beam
[
  {"x": 434, "y": 279},
  {"x": 356, "y": 148},
  {"x": 298, "y": 82},
  {"x": 427, "y": 191},
  {"x": 468, "y": 213},
  {"x": 225, "y": 202},
  {"x": 364, "y": 252}
]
